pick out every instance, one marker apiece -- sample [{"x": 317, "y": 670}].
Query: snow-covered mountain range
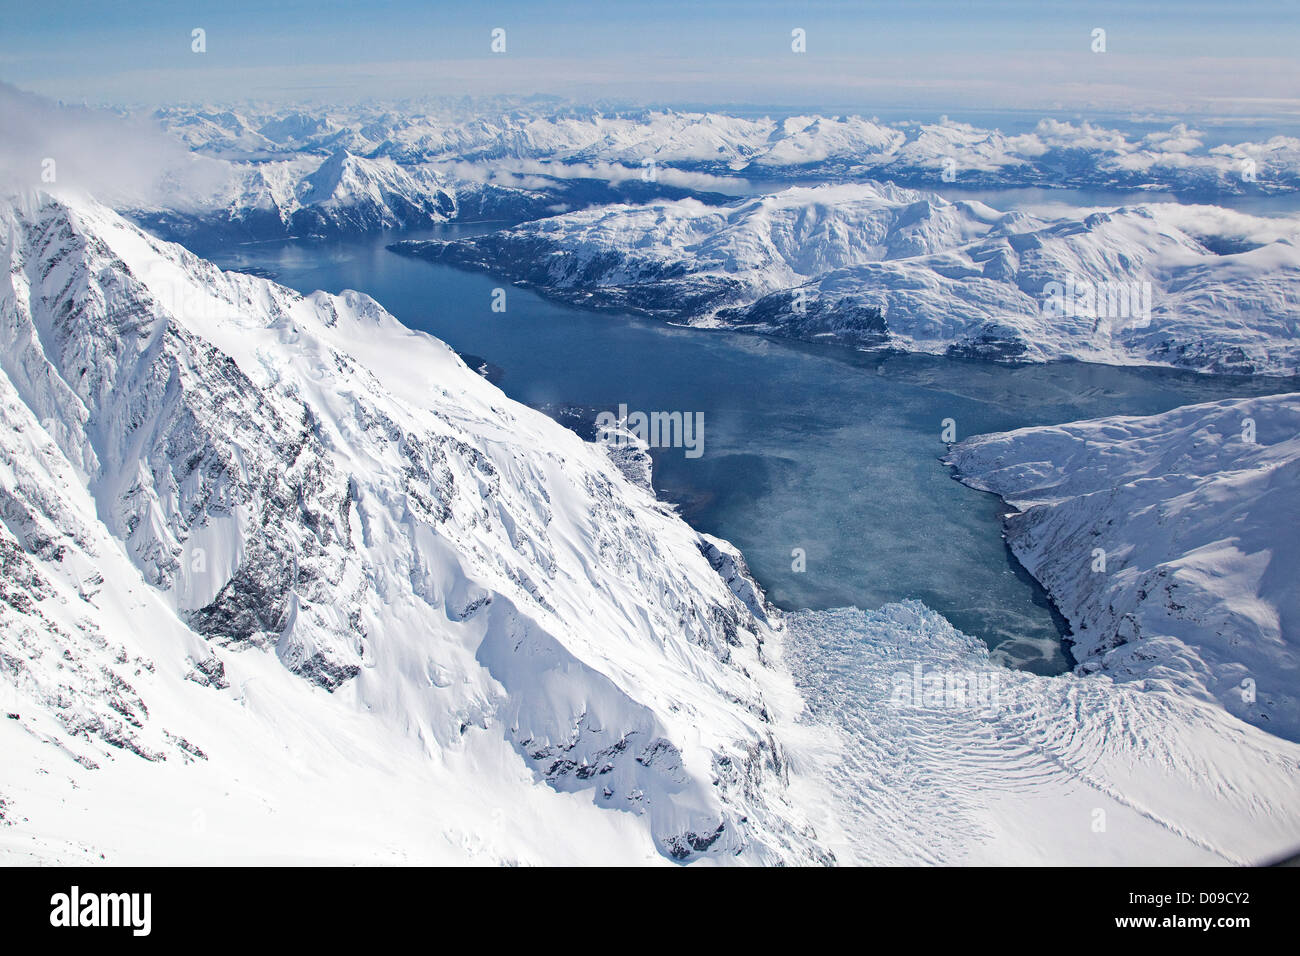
[
  {"x": 286, "y": 581},
  {"x": 1055, "y": 153},
  {"x": 1169, "y": 544},
  {"x": 208, "y": 176},
  {"x": 340, "y": 195},
  {"x": 345, "y": 195},
  {"x": 879, "y": 265}
]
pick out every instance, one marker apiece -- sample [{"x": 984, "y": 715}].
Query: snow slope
[
  {"x": 282, "y": 545},
  {"x": 879, "y": 265},
  {"x": 1195, "y": 513}
]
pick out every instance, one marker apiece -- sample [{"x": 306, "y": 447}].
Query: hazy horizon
[{"x": 1192, "y": 59}]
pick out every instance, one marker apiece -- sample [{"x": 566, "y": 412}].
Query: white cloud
[{"x": 121, "y": 160}]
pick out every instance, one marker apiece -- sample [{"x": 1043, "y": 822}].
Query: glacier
[{"x": 1072, "y": 770}]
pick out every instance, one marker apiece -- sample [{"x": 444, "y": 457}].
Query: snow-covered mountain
[
  {"x": 1168, "y": 542},
  {"x": 879, "y": 265},
  {"x": 339, "y": 196},
  {"x": 287, "y": 539},
  {"x": 215, "y": 131}
]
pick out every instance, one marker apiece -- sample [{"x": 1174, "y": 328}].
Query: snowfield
[
  {"x": 283, "y": 581},
  {"x": 876, "y": 265}
]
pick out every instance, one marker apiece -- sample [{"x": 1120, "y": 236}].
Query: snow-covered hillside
[
  {"x": 275, "y": 565},
  {"x": 878, "y": 265},
  {"x": 1168, "y": 542}
]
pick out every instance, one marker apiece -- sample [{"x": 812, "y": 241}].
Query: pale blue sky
[{"x": 1193, "y": 55}]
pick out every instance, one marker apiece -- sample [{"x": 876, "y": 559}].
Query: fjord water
[{"x": 818, "y": 448}]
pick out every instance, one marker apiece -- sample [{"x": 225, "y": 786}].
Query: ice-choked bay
[{"x": 818, "y": 458}]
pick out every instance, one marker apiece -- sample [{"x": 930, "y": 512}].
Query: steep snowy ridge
[
  {"x": 1168, "y": 542},
  {"x": 303, "y": 479},
  {"x": 878, "y": 265}
]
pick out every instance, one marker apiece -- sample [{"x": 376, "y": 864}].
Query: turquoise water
[{"x": 818, "y": 448}]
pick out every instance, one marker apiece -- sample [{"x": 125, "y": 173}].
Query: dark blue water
[{"x": 818, "y": 448}]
